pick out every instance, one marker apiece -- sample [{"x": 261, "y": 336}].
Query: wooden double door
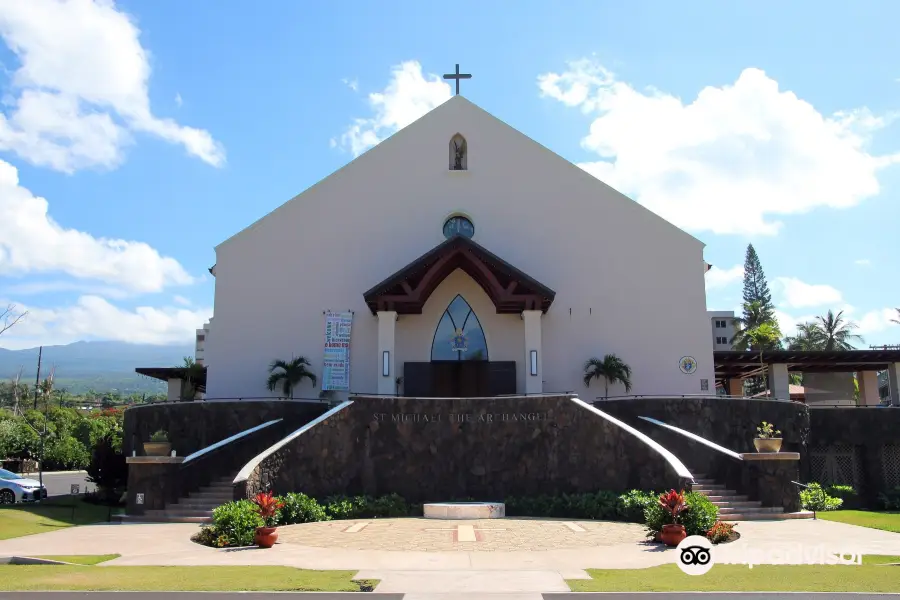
[{"x": 459, "y": 378}]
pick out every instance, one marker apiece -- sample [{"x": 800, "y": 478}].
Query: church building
[{"x": 459, "y": 258}]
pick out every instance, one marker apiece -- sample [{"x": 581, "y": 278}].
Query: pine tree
[{"x": 756, "y": 289}]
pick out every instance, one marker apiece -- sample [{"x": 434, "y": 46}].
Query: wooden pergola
[
  {"x": 731, "y": 364},
  {"x": 407, "y": 290}
]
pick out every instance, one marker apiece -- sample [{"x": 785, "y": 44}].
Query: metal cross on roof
[{"x": 457, "y": 76}]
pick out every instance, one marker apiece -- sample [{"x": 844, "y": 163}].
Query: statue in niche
[{"x": 458, "y": 153}]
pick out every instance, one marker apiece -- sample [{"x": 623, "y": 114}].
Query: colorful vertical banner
[{"x": 336, "y": 371}]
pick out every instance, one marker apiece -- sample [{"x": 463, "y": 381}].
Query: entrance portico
[{"x": 460, "y": 363}]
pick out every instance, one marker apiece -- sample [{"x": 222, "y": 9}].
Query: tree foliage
[
  {"x": 611, "y": 369},
  {"x": 756, "y": 288},
  {"x": 827, "y": 332},
  {"x": 288, "y": 375}
]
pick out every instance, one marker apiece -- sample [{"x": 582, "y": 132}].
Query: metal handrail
[
  {"x": 696, "y": 438},
  {"x": 667, "y": 396},
  {"x": 821, "y": 491},
  {"x": 226, "y": 441}
]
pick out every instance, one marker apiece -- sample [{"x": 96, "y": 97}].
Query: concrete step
[
  {"x": 698, "y": 481},
  {"x": 734, "y": 498},
  {"x": 715, "y": 492},
  {"x": 751, "y": 510},
  {"x": 162, "y": 519},
  {"x": 187, "y": 504},
  {"x": 178, "y": 513},
  {"x": 770, "y": 516},
  {"x": 744, "y": 504},
  {"x": 219, "y": 497},
  {"x": 708, "y": 486},
  {"x": 218, "y": 485}
]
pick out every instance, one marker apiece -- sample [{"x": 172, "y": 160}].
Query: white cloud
[
  {"x": 408, "y": 96},
  {"x": 353, "y": 84},
  {"x": 731, "y": 160},
  {"x": 181, "y": 300},
  {"x": 863, "y": 262},
  {"x": 32, "y": 242},
  {"x": 178, "y": 100},
  {"x": 93, "y": 317},
  {"x": 82, "y": 87},
  {"x": 876, "y": 321},
  {"x": 799, "y": 294},
  {"x": 788, "y": 324},
  {"x": 719, "y": 278}
]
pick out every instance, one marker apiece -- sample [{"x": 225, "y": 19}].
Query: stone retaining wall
[
  {"x": 193, "y": 426},
  {"x": 429, "y": 449}
]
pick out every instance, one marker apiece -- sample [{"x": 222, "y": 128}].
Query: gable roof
[
  {"x": 462, "y": 102},
  {"x": 511, "y": 290}
]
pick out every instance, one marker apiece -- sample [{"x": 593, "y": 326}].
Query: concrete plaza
[{"x": 418, "y": 556}]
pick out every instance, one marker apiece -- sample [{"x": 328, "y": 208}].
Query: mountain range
[{"x": 101, "y": 366}]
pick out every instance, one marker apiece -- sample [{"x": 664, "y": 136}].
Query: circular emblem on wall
[{"x": 687, "y": 364}]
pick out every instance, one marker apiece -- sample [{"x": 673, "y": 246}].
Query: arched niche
[{"x": 459, "y": 153}]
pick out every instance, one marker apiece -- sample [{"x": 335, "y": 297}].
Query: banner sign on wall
[{"x": 336, "y": 371}]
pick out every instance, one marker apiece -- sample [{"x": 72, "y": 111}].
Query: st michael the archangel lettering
[{"x": 459, "y": 417}]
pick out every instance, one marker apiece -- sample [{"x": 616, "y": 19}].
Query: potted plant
[
  {"x": 768, "y": 439},
  {"x": 267, "y": 507},
  {"x": 159, "y": 444},
  {"x": 673, "y": 503}
]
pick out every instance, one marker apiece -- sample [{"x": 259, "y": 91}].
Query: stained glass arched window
[{"x": 459, "y": 335}]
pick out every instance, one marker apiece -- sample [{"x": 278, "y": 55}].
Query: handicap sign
[{"x": 75, "y": 489}]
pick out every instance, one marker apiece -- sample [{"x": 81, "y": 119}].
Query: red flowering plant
[
  {"x": 673, "y": 503},
  {"x": 267, "y": 507}
]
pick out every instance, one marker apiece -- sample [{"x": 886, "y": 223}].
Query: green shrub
[
  {"x": 699, "y": 517},
  {"x": 159, "y": 436},
  {"x": 367, "y": 507},
  {"x": 844, "y": 492},
  {"x": 701, "y": 514},
  {"x": 632, "y": 505},
  {"x": 814, "y": 498},
  {"x": 890, "y": 500},
  {"x": 300, "y": 508},
  {"x": 600, "y": 505},
  {"x": 236, "y": 522}
]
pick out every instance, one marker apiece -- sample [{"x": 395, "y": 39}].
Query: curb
[{"x": 56, "y": 473}]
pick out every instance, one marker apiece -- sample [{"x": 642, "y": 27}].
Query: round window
[{"x": 458, "y": 225}]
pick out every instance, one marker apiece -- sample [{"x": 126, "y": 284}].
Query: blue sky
[{"x": 155, "y": 130}]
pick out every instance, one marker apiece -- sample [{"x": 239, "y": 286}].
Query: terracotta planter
[
  {"x": 767, "y": 444},
  {"x": 672, "y": 535},
  {"x": 265, "y": 536},
  {"x": 157, "y": 448}
]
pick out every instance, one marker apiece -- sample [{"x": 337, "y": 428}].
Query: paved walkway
[{"x": 485, "y": 565}]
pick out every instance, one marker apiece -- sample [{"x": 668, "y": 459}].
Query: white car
[{"x": 15, "y": 488}]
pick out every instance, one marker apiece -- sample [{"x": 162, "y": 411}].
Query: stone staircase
[
  {"x": 736, "y": 507},
  {"x": 197, "y": 507}
]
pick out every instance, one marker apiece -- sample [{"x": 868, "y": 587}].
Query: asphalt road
[{"x": 60, "y": 484}]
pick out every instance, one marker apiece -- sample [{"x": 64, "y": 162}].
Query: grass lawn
[
  {"x": 164, "y": 579},
  {"x": 80, "y": 559},
  {"x": 888, "y": 521},
  {"x": 26, "y": 519},
  {"x": 740, "y": 578}
]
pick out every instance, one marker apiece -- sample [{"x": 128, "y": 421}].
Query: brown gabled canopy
[{"x": 407, "y": 290}]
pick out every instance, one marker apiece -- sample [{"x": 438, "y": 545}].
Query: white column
[
  {"x": 174, "y": 390},
  {"x": 779, "y": 382},
  {"x": 387, "y": 320},
  {"x": 868, "y": 388},
  {"x": 894, "y": 383},
  {"x": 534, "y": 374}
]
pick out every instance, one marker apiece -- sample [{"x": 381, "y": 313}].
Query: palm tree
[
  {"x": 612, "y": 369},
  {"x": 289, "y": 374},
  {"x": 762, "y": 337},
  {"x": 192, "y": 374},
  {"x": 755, "y": 314},
  {"x": 809, "y": 337},
  {"x": 897, "y": 320},
  {"x": 837, "y": 333}
]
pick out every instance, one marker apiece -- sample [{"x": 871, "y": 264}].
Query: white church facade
[{"x": 469, "y": 261}]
